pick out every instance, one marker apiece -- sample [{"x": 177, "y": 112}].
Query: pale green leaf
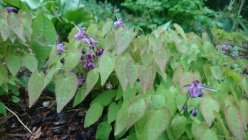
[
  {"x": 72, "y": 59},
  {"x": 123, "y": 39},
  {"x": 161, "y": 57},
  {"x": 210, "y": 135},
  {"x": 107, "y": 27},
  {"x": 243, "y": 106},
  {"x": 93, "y": 114},
  {"x": 105, "y": 98},
  {"x": 30, "y": 62},
  {"x": 132, "y": 72},
  {"x": 208, "y": 107},
  {"x": 120, "y": 70},
  {"x": 91, "y": 80},
  {"x": 234, "y": 122},
  {"x": 65, "y": 88},
  {"x": 112, "y": 111},
  {"x": 35, "y": 86},
  {"x": 14, "y": 62},
  {"x": 106, "y": 66},
  {"x": 16, "y": 25},
  {"x": 146, "y": 76},
  {"x": 178, "y": 126}
]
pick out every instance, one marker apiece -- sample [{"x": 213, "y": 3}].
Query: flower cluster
[
  {"x": 195, "y": 90},
  {"x": 88, "y": 58},
  {"x": 118, "y": 23},
  {"x": 11, "y": 10}
]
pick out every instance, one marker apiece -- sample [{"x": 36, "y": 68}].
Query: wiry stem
[{"x": 19, "y": 119}]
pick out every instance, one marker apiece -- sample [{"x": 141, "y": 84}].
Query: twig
[{"x": 19, "y": 119}]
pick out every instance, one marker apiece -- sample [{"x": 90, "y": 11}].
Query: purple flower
[
  {"x": 90, "y": 57},
  {"x": 11, "y": 9},
  {"x": 88, "y": 65},
  {"x": 224, "y": 48},
  {"x": 83, "y": 51},
  {"x": 118, "y": 23},
  {"x": 80, "y": 34},
  {"x": 185, "y": 107},
  {"x": 60, "y": 48},
  {"x": 193, "y": 112},
  {"x": 90, "y": 41},
  {"x": 99, "y": 51},
  {"x": 80, "y": 80},
  {"x": 195, "y": 89}
]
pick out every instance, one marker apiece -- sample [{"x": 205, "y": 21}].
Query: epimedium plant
[{"x": 140, "y": 79}]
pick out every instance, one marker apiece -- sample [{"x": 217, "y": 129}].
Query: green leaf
[
  {"x": 2, "y": 108},
  {"x": 106, "y": 66},
  {"x": 44, "y": 31},
  {"x": 120, "y": 70},
  {"x": 130, "y": 113},
  {"x": 103, "y": 131},
  {"x": 30, "y": 62},
  {"x": 27, "y": 23},
  {"x": 158, "y": 101},
  {"x": 35, "y": 86},
  {"x": 16, "y": 25},
  {"x": 105, "y": 98},
  {"x": 107, "y": 27},
  {"x": 161, "y": 57},
  {"x": 243, "y": 84},
  {"x": 15, "y": 99},
  {"x": 109, "y": 41},
  {"x": 93, "y": 114},
  {"x": 178, "y": 126},
  {"x": 112, "y": 111},
  {"x": 179, "y": 30},
  {"x": 123, "y": 39},
  {"x": 14, "y": 62},
  {"x": 158, "y": 121},
  {"x": 4, "y": 28},
  {"x": 3, "y": 74},
  {"x": 210, "y": 135},
  {"x": 198, "y": 129},
  {"x": 132, "y": 72},
  {"x": 50, "y": 74},
  {"x": 208, "y": 107},
  {"x": 234, "y": 122},
  {"x": 65, "y": 88},
  {"x": 135, "y": 111},
  {"x": 217, "y": 72},
  {"x": 91, "y": 80},
  {"x": 72, "y": 59},
  {"x": 243, "y": 106},
  {"x": 80, "y": 95},
  {"x": 146, "y": 76}
]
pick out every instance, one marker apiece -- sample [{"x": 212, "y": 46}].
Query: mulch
[{"x": 44, "y": 121}]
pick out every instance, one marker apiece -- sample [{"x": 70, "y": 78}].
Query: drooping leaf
[
  {"x": 234, "y": 121},
  {"x": 208, "y": 107},
  {"x": 121, "y": 119},
  {"x": 103, "y": 131},
  {"x": 91, "y": 80},
  {"x": 243, "y": 84},
  {"x": 135, "y": 111},
  {"x": 30, "y": 62},
  {"x": 80, "y": 95},
  {"x": 120, "y": 70},
  {"x": 178, "y": 126},
  {"x": 2, "y": 108},
  {"x": 243, "y": 106},
  {"x": 158, "y": 121},
  {"x": 3, "y": 74},
  {"x": 132, "y": 72},
  {"x": 198, "y": 129},
  {"x": 123, "y": 39},
  {"x": 112, "y": 111},
  {"x": 93, "y": 114},
  {"x": 146, "y": 76},
  {"x": 161, "y": 57},
  {"x": 210, "y": 135},
  {"x": 35, "y": 86},
  {"x": 217, "y": 72},
  {"x": 14, "y": 62},
  {"x": 105, "y": 97},
  {"x": 27, "y": 23},
  {"x": 107, "y": 27},
  {"x": 179, "y": 30},
  {"x": 16, "y": 25},
  {"x": 72, "y": 59},
  {"x": 50, "y": 74},
  {"x": 65, "y": 88},
  {"x": 106, "y": 66},
  {"x": 4, "y": 28}
]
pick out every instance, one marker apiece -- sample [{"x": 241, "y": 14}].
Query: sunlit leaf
[{"x": 106, "y": 66}]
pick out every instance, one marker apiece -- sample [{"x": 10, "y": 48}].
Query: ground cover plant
[{"x": 164, "y": 85}]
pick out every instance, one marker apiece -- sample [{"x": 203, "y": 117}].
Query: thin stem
[
  {"x": 184, "y": 104},
  {"x": 19, "y": 119}
]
